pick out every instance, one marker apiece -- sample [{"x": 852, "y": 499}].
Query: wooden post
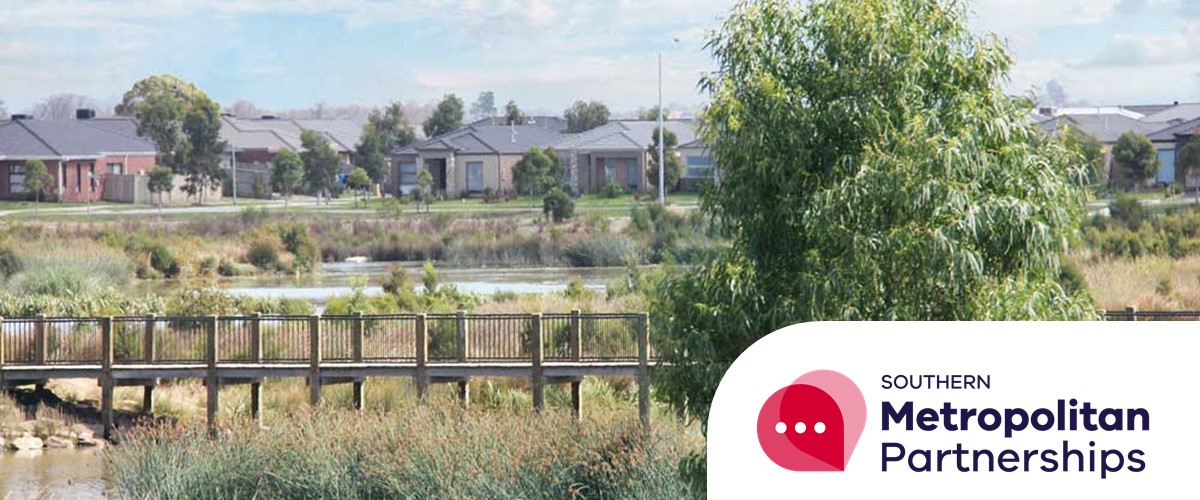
[
  {"x": 212, "y": 356},
  {"x": 464, "y": 349},
  {"x": 357, "y": 353},
  {"x": 643, "y": 371},
  {"x": 149, "y": 356},
  {"x": 1132, "y": 311},
  {"x": 107, "y": 383},
  {"x": 538, "y": 381},
  {"x": 256, "y": 357},
  {"x": 1, "y": 354},
  {"x": 422, "y": 380},
  {"x": 314, "y": 360},
  {"x": 576, "y": 344},
  {"x": 40, "y": 340}
]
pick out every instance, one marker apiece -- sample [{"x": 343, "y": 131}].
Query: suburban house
[
  {"x": 1162, "y": 123},
  {"x": 698, "y": 166},
  {"x": 78, "y": 154},
  {"x": 616, "y": 152},
  {"x": 471, "y": 159},
  {"x": 254, "y": 142}
]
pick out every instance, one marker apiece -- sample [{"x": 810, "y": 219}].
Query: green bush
[
  {"x": 558, "y": 205},
  {"x": 162, "y": 260},
  {"x": 601, "y": 251},
  {"x": 612, "y": 190},
  {"x": 1127, "y": 210},
  {"x": 264, "y": 253}
]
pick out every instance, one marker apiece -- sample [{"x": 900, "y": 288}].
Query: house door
[
  {"x": 437, "y": 169},
  {"x": 475, "y": 177}
]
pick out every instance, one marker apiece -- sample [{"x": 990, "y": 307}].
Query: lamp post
[
  {"x": 662, "y": 188},
  {"x": 233, "y": 166}
]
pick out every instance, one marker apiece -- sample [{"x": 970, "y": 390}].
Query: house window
[
  {"x": 698, "y": 167},
  {"x": 408, "y": 174},
  {"x": 78, "y": 177},
  {"x": 116, "y": 168},
  {"x": 631, "y": 175},
  {"x": 16, "y": 179},
  {"x": 92, "y": 176},
  {"x": 474, "y": 176},
  {"x": 610, "y": 172}
]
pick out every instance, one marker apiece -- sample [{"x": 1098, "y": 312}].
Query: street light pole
[
  {"x": 662, "y": 189},
  {"x": 233, "y": 164}
]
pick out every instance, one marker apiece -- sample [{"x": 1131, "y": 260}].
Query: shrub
[
  {"x": 1164, "y": 287},
  {"x": 612, "y": 190},
  {"x": 162, "y": 260},
  {"x": 601, "y": 251},
  {"x": 1127, "y": 210},
  {"x": 264, "y": 253},
  {"x": 558, "y": 205}
]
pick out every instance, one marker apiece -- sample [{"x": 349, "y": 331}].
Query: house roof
[
  {"x": 1183, "y": 112},
  {"x": 1105, "y": 128},
  {"x": 275, "y": 133},
  {"x": 626, "y": 134},
  {"x": 28, "y": 139},
  {"x": 551, "y": 123},
  {"x": 487, "y": 139},
  {"x": 1149, "y": 109},
  {"x": 1170, "y": 133}
]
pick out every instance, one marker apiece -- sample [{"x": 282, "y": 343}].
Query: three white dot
[{"x": 781, "y": 428}]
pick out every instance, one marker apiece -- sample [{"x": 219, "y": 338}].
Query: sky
[{"x": 544, "y": 54}]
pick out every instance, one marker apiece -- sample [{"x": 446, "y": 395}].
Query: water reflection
[{"x": 52, "y": 474}]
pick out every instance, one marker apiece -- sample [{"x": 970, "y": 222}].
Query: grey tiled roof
[
  {"x": 29, "y": 138},
  {"x": 487, "y": 139},
  {"x": 1185, "y": 111},
  {"x": 626, "y": 134},
  {"x": 1169, "y": 133},
  {"x": 1105, "y": 128},
  {"x": 275, "y": 133}
]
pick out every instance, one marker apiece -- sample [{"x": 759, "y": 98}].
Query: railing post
[
  {"x": 1, "y": 354},
  {"x": 212, "y": 381},
  {"x": 464, "y": 350},
  {"x": 422, "y": 353},
  {"x": 40, "y": 340},
  {"x": 107, "y": 384},
  {"x": 576, "y": 344},
  {"x": 256, "y": 357},
  {"x": 357, "y": 355},
  {"x": 314, "y": 360},
  {"x": 149, "y": 356},
  {"x": 536, "y": 377},
  {"x": 643, "y": 370},
  {"x": 1132, "y": 312}
]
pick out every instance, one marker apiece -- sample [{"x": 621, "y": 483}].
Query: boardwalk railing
[
  {"x": 224, "y": 350},
  {"x": 1132, "y": 314}
]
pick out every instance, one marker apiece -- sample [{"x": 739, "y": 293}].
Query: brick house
[
  {"x": 77, "y": 153},
  {"x": 616, "y": 152}
]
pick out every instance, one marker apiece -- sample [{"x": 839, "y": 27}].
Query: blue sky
[{"x": 544, "y": 54}]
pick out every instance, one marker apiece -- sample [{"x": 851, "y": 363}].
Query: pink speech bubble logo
[{"x": 814, "y": 423}]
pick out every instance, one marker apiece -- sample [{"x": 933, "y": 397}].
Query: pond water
[
  {"x": 52, "y": 474},
  {"x": 336, "y": 279}
]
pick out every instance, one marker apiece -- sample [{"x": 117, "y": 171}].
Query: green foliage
[
  {"x": 264, "y": 253},
  {"x": 1127, "y": 210},
  {"x": 423, "y": 192},
  {"x": 1135, "y": 158},
  {"x": 513, "y": 114},
  {"x": 1164, "y": 287},
  {"x": 601, "y": 251},
  {"x": 447, "y": 117},
  {"x": 200, "y": 155},
  {"x": 287, "y": 173},
  {"x": 429, "y": 278},
  {"x": 320, "y": 162},
  {"x": 383, "y": 132},
  {"x": 670, "y": 157},
  {"x": 534, "y": 173},
  {"x": 67, "y": 269},
  {"x": 160, "y": 103},
  {"x": 162, "y": 260},
  {"x": 872, "y": 168},
  {"x": 162, "y": 180},
  {"x": 558, "y": 205},
  {"x": 297, "y": 240},
  {"x": 259, "y": 186},
  {"x": 37, "y": 179},
  {"x": 1133, "y": 232},
  {"x": 1089, "y": 149},
  {"x": 651, "y": 115},
  {"x": 485, "y": 105},
  {"x": 1187, "y": 162},
  {"x": 612, "y": 190},
  {"x": 583, "y": 116}
]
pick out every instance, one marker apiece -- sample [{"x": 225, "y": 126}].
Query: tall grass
[
  {"x": 68, "y": 267},
  {"x": 424, "y": 452}
]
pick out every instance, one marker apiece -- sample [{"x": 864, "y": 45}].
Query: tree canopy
[
  {"x": 320, "y": 162},
  {"x": 200, "y": 157},
  {"x": 670, "y": 157},
  {"x": 384, "y": 131},
  {"x": 37, "y": 180},
  {"x": 287, "y": 173},
  {"x": 513, "y": 114},
  {"x": 651, "y": 114},
  {"x": 872, "y": 168},
  {"x": 447, "y": 117},
  {"x": 161, "y": 104},
  {"x": 484, "y": 106},
  {"x": 537, "y": 171},
  {"x": 1088, "y": 148},
  {"x": 162, "y": 180},
  {"x": 1187, "y": 163},
  {"x": 584, "y": 116},
  {"x": 1136, "y": 159}
]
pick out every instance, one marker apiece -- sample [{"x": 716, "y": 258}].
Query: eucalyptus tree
[{"x": 872, "y": 168}]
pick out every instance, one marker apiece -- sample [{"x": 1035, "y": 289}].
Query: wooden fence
[{"x": 430, "y": 348}]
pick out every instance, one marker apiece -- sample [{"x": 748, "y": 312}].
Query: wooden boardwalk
[{"x": 228, "y": 350}]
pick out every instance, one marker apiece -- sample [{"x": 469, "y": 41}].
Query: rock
[
  {"x": 90, "y": 441},
  {"x": 59, "y": 442},
  {"x": 25, "y": 443},
  {"x": 81, "y": 429}
]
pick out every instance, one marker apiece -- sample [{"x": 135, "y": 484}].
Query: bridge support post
[
  {"x": 107, "y": 383},
  {"x": 42, "y": 344},
  {"x": 643, "y": 371},
  {"x": 422, "y": 353},
  {"x": 576, "y": 344},
  {"x": 537, "y": 376},
  {"x": 256, "y": 356},
  {"x": 148, "y": 348},
  {"x": 314, "y": 359},
  {"x": 212, "y": 381},
  {"x": 464, "y": 348},
  {"x": 1, "y": 354},
  {"x": 357, "y": 348}
]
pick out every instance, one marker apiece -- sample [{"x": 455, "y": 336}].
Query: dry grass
[{"x": 1148, "y": 283}]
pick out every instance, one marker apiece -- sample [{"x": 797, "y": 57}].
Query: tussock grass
[{"x": 1118, "y": 282}]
